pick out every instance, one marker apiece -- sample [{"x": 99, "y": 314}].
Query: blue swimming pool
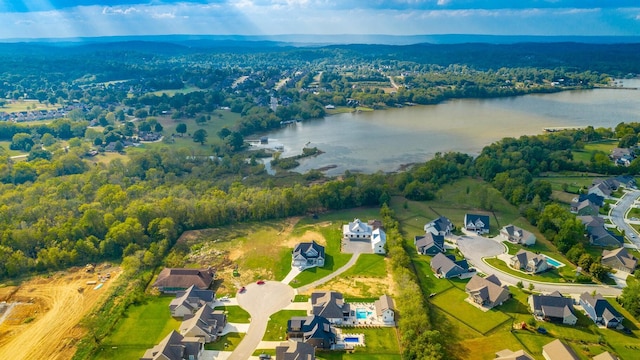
[
  {"x": 352, "y": 340},
  {"x": 553, "y": 262},
  {"x": 362, "y": 314}
]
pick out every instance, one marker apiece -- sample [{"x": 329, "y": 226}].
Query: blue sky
[{"x": 84, "y": 18}]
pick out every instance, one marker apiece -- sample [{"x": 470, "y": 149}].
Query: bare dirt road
[{"x": 45, "y": 323}]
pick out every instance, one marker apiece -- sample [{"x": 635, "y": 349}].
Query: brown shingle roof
[{"x": 176, "y": 278}]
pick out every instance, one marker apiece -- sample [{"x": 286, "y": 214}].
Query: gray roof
[
  {"x": 209, "y": 321},
  {"x": 553, "y": 305},
  {"x": 173, "y": 347},
  {"x": 304, "y": 249},
  {"x": 601, "y": 306},
  {"x": 476, "y": 219},
  {"x": 621, "y": 255},
  {"x": 312, "y": 327},
  {"x": 447, "y": 266},
  {"x": 516, "y": 232},
  {"x": 192, "y": 296},
  {"x": 295, "y": 350},
  {"x": 441, "y": 224},
  {"x": 329, "y": 304},
  {"x": 429, "y": 240},
  {"x": 525, "y": 256}
]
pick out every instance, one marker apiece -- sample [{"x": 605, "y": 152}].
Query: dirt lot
[{"x": 45, "y": 323}]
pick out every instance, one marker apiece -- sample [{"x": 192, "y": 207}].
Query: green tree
[
  {"x": 630, "y": 298},
  {"x": 200, "y": 136},
  {"x": 181, "y": 129},
  {"x": 21, "y": 141}
]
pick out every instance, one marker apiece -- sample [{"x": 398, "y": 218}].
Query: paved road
[
  {"x": 260, "y": 301},
  {"x": 475, "y": 248},
  {"x": 618, "y": 214}
]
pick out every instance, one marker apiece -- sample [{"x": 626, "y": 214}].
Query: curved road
[
  {"x": 618, "y": 215},
  {"x": 261, "y": 301},
  {"x": 475, "y": 248}
]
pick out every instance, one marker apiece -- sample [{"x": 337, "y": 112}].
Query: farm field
[{"x": 45, "y": 325}]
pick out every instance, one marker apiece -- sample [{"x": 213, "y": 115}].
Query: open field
[
  {"x": 45, "y": 324},
  {"x": 176, "y": 91},
  {"x": 21, "y": 105},
  {"x": 143, "y": 327},
  {"x": 584, "y": 155}
]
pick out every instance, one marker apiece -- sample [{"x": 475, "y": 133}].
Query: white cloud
[
  {"x": 110, "y": 10},
  {"x": 168, "y": 15}
]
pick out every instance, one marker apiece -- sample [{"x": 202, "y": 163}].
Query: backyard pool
[
  {"x": 362, "y": 314},
  {"x": 553, "y": 262},
  {"x": 352, "y": 340}
]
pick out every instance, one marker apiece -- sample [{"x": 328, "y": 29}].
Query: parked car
[
  {"x": 542, "y": 330},
  {"x": 260, "y": 282}
]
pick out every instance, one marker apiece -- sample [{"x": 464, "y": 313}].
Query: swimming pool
[
  {"x": 553, "y": 262},
  {"x": 351, "y": 340},
  {"x": 362, "y": 314}
]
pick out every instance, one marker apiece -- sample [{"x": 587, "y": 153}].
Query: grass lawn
[
  {"x": 277, "y": 325},
  {"x": 454, "y": 201},
  {"x": 235, "y": 314},
  {"x": 7, "y": 144},
  {"x": 452, "y": 302},
  {"x": 552, "y": 276},
  {"x": 429, "y": 283},
  {"x": 573, "y": 182},
  {"x": 334, "y": 259},
  {"x": 20, "y": 105},
  {"x": 219, "y": 119},
  {"x": 368, "y": 265},
  {"x": 143, "y": 327},
  {"x": 227, "y": 342}
]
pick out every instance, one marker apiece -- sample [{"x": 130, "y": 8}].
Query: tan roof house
[
  {"x": 619, "y": 259},
  {"x": 385, "y": 309},
  {"x": 487, "y": 292},
  {"x": 605, "y": 356},
  {"x": 557, "y": 350},
  {"x": 507, "y": 354},
  {"x": 173, "y": 280}
]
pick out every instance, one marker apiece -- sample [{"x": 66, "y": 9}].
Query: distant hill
[{"x": 238, "y": 41}]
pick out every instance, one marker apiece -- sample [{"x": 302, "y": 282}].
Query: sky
[{"x": 90, "y": 18}]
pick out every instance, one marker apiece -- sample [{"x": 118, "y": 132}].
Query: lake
[{"x": 387, "y": 139}]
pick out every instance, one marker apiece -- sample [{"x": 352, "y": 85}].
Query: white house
[
  {"x": 357, "y": 230},
  {"x": 385, "y": 309},
  {"x": 378, "y": 240}
]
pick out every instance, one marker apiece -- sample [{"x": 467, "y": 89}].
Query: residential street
[
  {"x": 475, "y": 248},
  {"x": 618, "y": 215}
]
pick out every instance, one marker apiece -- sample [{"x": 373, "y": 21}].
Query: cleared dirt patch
[{"x": 45, "y": 324}]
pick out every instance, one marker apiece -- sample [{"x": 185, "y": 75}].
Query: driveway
[
  {"x": 260, "y": 301},
  {"x": 475, "y": 248},
  {"x": 342, "y": 269}
]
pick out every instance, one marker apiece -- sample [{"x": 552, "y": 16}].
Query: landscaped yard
[
  {"x": 235, "y": 314},
  {"x": 277, "y": 325},
  {"x": 142, "y": 328},
  {"x": 452, "y": 301},
  {"x": 227, "y": 342},
  {"x": 553, "y": 275}
]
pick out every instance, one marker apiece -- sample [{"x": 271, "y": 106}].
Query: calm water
[{"x": 385, "y": 140}]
